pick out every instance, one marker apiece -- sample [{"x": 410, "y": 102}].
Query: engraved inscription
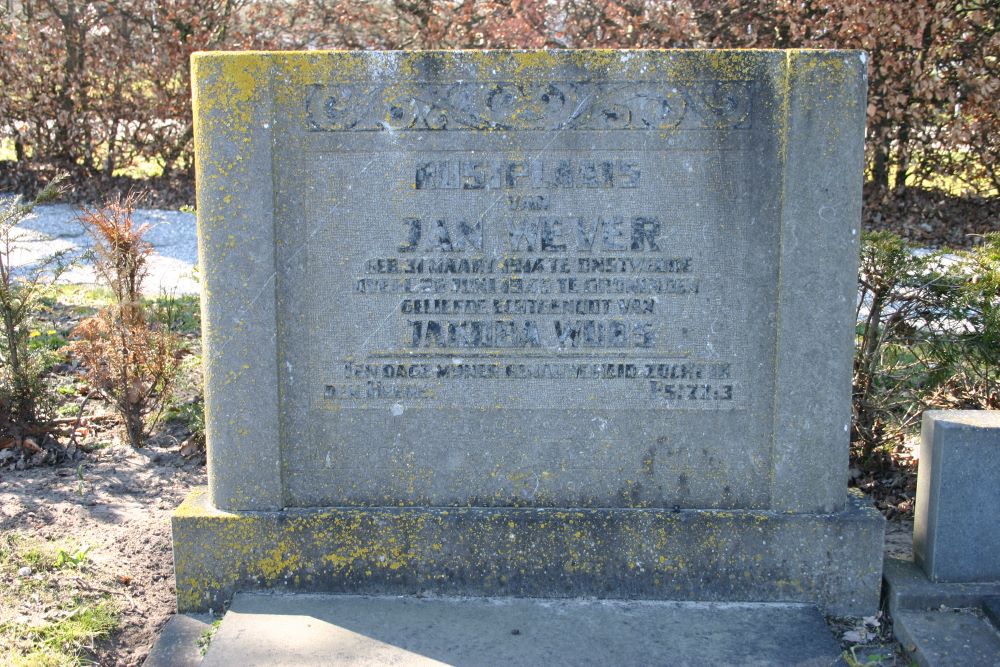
[{"x": 561, "y": 270}]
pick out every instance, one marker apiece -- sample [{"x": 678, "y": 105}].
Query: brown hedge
[{"x": 94, "y": 85}]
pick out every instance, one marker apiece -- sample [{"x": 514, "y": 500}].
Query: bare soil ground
[
  {"x": 79, "y": 486},
  {"x": 931, "y": 218},
  {"x": 121, "y": 508},
  {"x": 168, "y": 192}
]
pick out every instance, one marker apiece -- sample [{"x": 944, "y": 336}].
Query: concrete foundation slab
[
  {"x": 628, "y": 553},
  {"x": 947, "y": 638},
  {"x": 942, "y": 624},
  {"x": 908, "y": 588},
  {"x": 177, "y": 645},
  {"x": 354, "y": 630}
]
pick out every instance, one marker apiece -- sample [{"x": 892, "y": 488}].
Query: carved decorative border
[{"x": 506, "y": 105}]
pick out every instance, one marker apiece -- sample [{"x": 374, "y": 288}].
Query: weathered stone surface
[
  {"x": 574, "y": 279},
  {"x": 467, "y": 298},
  {"x": 956, "y": 529},
  {"x": 750, "y": 555},
  {"x": 350, "y": 630}
]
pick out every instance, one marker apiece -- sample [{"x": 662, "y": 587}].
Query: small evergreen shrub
[
  {"x": 928, "y": 335},
  {"x": 22, "y": 289}
]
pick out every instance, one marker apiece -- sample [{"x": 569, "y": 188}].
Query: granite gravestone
[
  {"x": 530, "y": 323},
  {"x": 956, "y": 528},
  {"x": 945, "y": 601}
]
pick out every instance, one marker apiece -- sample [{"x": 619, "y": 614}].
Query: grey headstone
[
  {"x": 615, "y": 282},
  {"x": 573, "y": 279},
  {"x": 956, "y": 528}
]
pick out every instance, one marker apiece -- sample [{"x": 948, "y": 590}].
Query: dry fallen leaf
[
  {"x": 856, "y": 636},
  {"x": 189, "y": 448}
]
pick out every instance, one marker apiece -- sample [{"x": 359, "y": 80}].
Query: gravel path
[{"x": 172, "y": 266}]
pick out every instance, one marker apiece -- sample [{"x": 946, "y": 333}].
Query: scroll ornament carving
[{"x": 506, "y": 105}]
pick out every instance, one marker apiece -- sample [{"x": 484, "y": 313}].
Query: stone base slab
[
  {"x": 178, "y": 643},
  {"x": 908, "y": 588},
  {"x": 831, "y": 560},
  {"x": 947, "y": 638},
  {"x": 941, "y": 624},
  {"x": 367, "y": 631}
]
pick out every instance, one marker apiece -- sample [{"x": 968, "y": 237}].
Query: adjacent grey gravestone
[
  {"x": 956, "y": 527},
  {"x": 530, "y": 323},
  {"x": 944, "y": 602}
]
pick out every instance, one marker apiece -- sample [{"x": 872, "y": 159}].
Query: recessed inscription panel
[
  {"x": 554, "y": 313},
  {"x": 607, "y": 278}
]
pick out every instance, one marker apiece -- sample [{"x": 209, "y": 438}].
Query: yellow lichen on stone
[
  {"x": 226, "y": 88},
  {"x": 281, "y": 561}
]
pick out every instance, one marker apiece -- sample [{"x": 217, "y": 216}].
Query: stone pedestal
[{"x": 832, "y": 560}]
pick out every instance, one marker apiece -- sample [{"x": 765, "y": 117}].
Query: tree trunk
[
  {"x": 134, "y": 425},
  {"x": 880, "y": 167},
  {"x": 903, "y": 161}
]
